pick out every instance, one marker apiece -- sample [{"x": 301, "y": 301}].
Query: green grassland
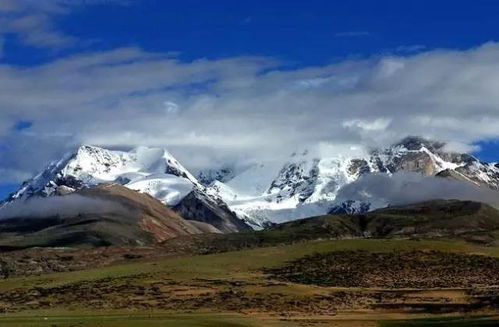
[
  {"x": 241, "y": 264},
  {"x": 239, "y": 274}
]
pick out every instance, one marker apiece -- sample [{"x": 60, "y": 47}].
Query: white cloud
[
  {"x": 379, "y": 124},
  {"x": 404, "y": 188},
  {"x": 171, "y": 107},
  {"x": 459, "y": 147},
  {"x": 245, "y": 107},
  {"x": 32, "y": 21},
  {"x": 59, "y": 206}
]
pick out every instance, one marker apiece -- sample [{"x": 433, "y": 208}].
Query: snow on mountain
[
  {"x": 260, "y": 194},
  {"x": 147, "y": 170},
  {"x": 307, "y": 185},
  {"x": 274, "y": 193},
  {"x": 169, "y": 189}
]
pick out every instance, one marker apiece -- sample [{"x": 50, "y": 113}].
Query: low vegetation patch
[{"x": 413, "y": 269}]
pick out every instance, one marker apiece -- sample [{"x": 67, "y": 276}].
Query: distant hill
[
  {"x": 143, "y": 220},
  {"x": 442, "y": 219},
  {"x": 139, "y": 219},
  {"x": 438, "y": 218}
]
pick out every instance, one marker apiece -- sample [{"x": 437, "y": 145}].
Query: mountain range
[
  {"x": 307, "y": 185},
  {"x": 232, "y": 199}
]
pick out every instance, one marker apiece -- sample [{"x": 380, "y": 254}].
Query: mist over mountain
[
  {"x": 60, "y": 206},
  {"x": 307, "y": 183},
  {"x": 312, "y": 182},
  {"x": 405, "y": 187},
  {"x": 153, "y": 171}
]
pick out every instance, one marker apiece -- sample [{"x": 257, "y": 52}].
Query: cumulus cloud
[
  {"x": 59, "y": 206},
  {"x": 407, "y": 187},
  {"x": 209, "y": 111}
]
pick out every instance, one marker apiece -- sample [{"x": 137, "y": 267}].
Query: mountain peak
[
  {"x": 414, "y": 143},
  {"x": 144, "y": 169},
  {"x": 88, "y": 148},
  {"x": 310, "y": 185},
  {"x": 92, "y": 165}
]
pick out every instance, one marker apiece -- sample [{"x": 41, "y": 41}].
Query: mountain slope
[
  {"x": 439, "y": 219},
  {"x": 433, "y": 219},
  {"x": 143, "y": 169},
  {"x": 308, "y": 185},
  {"x": 153, "y": 171},
  {"x": 201, "y": 207},
  {"x": 132, "y": 218}
]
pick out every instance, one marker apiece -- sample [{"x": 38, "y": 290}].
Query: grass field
[
  {"x": 240, "y": 263},
  {"x": 225, "y": 289}
]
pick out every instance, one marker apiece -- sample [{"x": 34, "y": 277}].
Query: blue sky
[
  {"x": 303, "y": 32},
  {"x": 302, "y": 38}
]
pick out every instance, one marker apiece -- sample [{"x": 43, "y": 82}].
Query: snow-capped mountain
[
  {"x": 260, "y": 194},
  {"x": 306, "y": 185},
  {"x": 147, "y": 170}
]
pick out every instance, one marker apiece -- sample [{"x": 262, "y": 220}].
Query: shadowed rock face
[
  {"x": 358, "y": 167},
  {"x": 467, "y": 168},
  {"x": 420, "y": 162},
  {"x": 199, "y": 207},
  {"x": 138, "y": 220}
]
